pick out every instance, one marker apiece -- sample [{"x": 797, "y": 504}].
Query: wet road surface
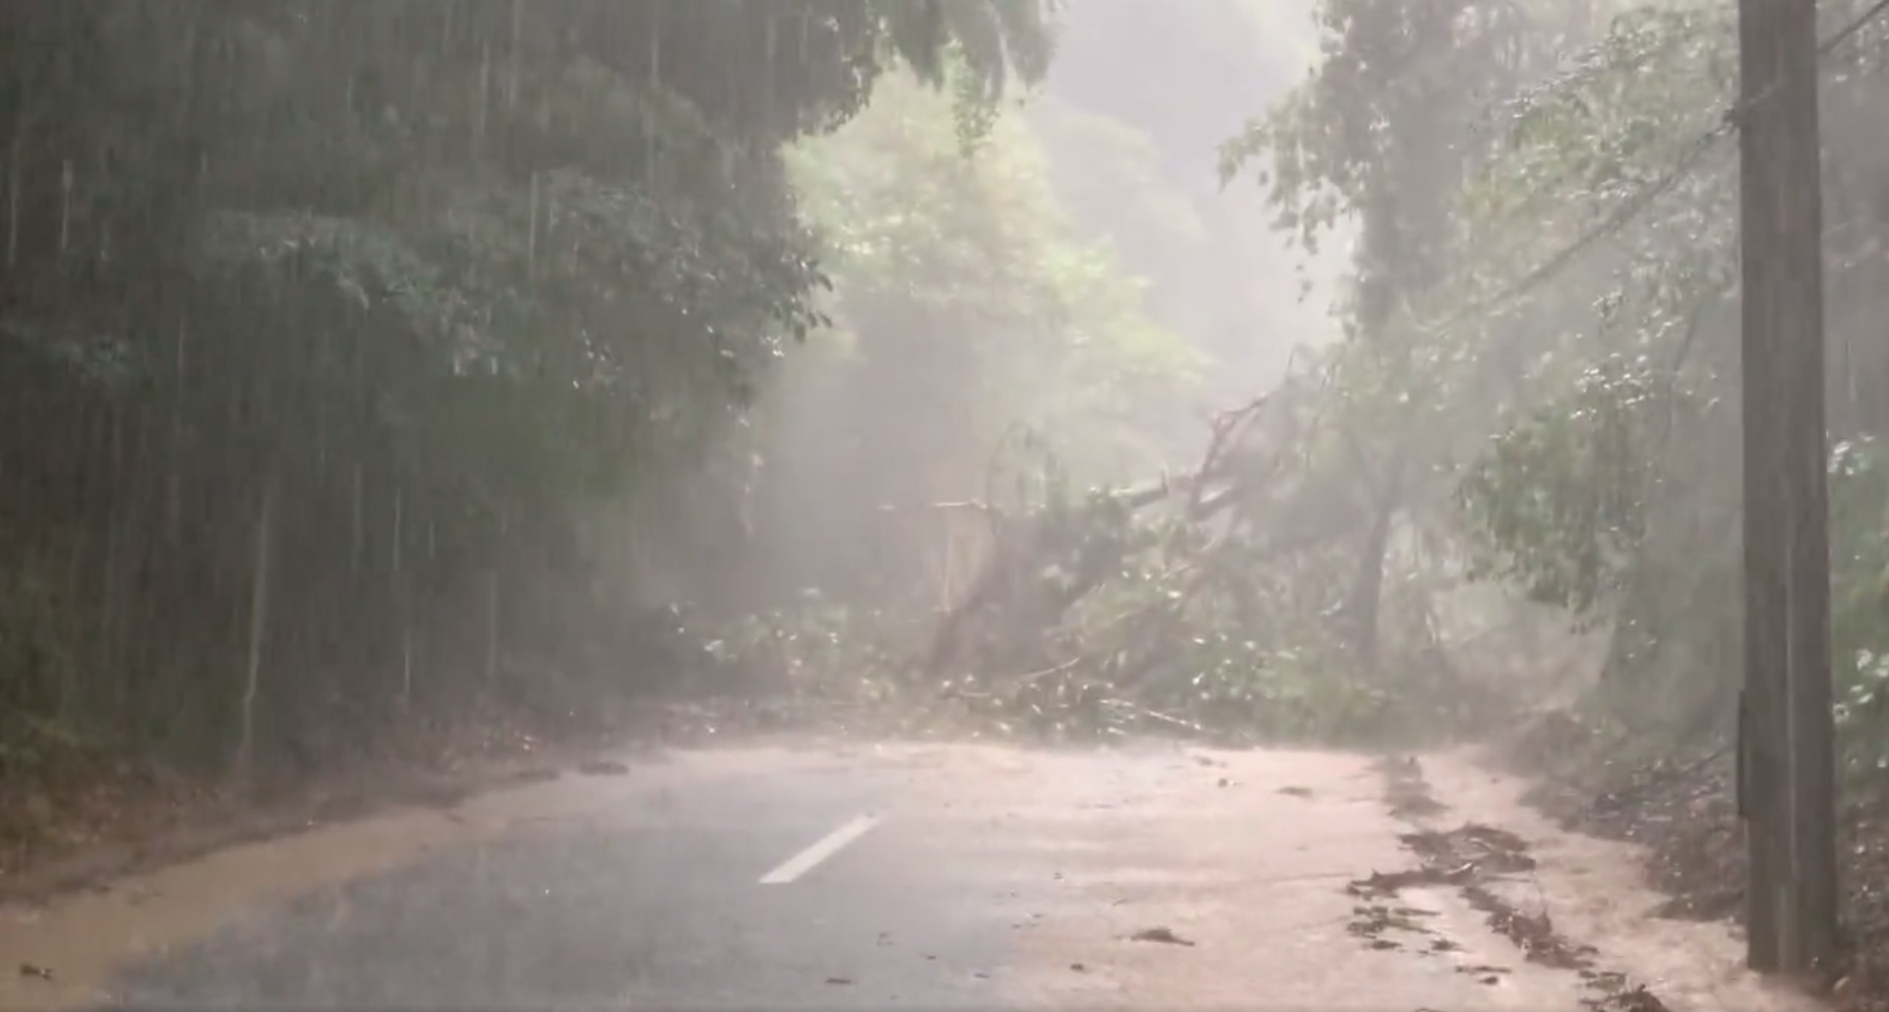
[
  {"x": 650, "y": 899},
  {"x": 934, "y": 877}
]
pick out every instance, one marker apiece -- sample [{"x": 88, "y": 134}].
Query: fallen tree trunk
[{"x": 1046, "y": 562}]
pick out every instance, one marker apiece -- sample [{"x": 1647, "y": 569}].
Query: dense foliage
[
  {"x": 1545, "y": 297},
  {"x": 1637, "y": 139},
  {"x": 331, "y": 330},
  {"x": 968, "y": 312}
]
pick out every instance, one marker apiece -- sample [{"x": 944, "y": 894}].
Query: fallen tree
[{"x": 1211, "y": 603}]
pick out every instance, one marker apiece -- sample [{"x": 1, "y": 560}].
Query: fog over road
[{"x": 854, "y": 876}]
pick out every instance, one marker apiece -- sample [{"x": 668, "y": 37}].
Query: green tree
[
  {"x": 968, "y": 309},
  {"x": 1587, "y": 316},
  {"x": 1382, "y": 135},
  {"x": 333, "y": 331},
  {"x": 1620, "y": 183}
]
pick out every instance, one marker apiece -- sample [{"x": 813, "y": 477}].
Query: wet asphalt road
[
  {"x": 833, "y": 876},
  {"x": 652, "y": 899}
]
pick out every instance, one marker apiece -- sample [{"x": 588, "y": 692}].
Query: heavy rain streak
[{"x": 948, "y": 504}]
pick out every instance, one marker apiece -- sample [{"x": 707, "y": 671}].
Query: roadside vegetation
[
  {"x": 1548, "y": 204},
  {"x": 422, "y": 388},
  {"x": 415, "y": 385}
]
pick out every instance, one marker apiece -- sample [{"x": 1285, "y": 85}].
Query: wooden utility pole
[{"x": 1787, "y": 752}]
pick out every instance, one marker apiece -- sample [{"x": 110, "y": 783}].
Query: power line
[
  {"x": 1875, "y": 11},
  {"x": 1640, "y": 199}
]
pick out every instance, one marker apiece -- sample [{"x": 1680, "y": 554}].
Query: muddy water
[
  {"x": 1247, "y": 857},
  {"x": 1241, "y": 859},
  {"x": 1244, "y": 858},
  {"x": 80, "y": 940},
  {"x": 1593, "y": 891}
]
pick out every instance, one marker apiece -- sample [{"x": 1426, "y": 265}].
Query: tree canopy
[
  {"x": 1545, "y": 200},
  {"x": 330, "y": 325}
]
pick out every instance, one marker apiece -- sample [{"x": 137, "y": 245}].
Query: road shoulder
[{"x": 1595, "y": 890}]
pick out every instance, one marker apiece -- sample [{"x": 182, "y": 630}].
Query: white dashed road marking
[{"x": 827, "y": 846}]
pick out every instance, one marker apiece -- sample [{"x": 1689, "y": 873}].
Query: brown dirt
[
  {"x": 1470, "y": 858},
  {"x": 1684, "y": 813},
  {"x": 1106, "y": 847}
]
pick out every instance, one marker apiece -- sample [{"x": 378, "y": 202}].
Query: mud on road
[
  {"x": 1133, "y": 878},
  {"x": 1471, "y": 859}
]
